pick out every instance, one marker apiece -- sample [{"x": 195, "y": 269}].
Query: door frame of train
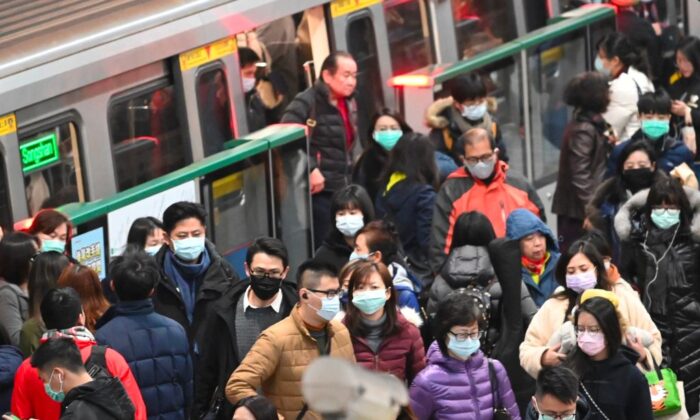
[
  {"x": 9, "y": 152},
  {"x": 692, "y": 17},
  {"x": 443, "y": 33}
]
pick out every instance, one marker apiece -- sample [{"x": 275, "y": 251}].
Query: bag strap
[
  {"x": 303, "y": 411},
  {"x": 494, "y": 386},
  {"x": 593, "y": 401},
  {"x": 657, "y": 368},
  {"x": 97, "y": 361}
]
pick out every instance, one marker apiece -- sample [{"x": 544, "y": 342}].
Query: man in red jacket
[
  {"x": 485, "y": 185},
  {"x": 62, "y": 313}
]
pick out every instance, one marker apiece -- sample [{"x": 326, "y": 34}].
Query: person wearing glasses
[
  {"x": 240, "y": 315},
  {"x": 277, "y": 361},
  {"x": 460, "y": 382},
  {"x": 557, "y": 396},
  {"x": 484, "y": 184}
]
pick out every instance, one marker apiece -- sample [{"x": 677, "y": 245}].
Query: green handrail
[{"x": 258, "y": 142}]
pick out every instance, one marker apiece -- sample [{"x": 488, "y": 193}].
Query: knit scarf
[
  {"x": 76, "y": 333},
  {"x": 536, "y": 268},
  {"x": 187, "y": 278}
]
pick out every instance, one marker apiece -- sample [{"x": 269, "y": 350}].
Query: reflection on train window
[
  {"x": 214, "y": 110},
  {"x": 147, "y": 139},
  {"x": 51, "y": 167},
  {"x": 409, "y": 35},
  {"x": 481, "y": 25},
  {"x": 363, "y": 47},
  {"x": 5, "y": 210}
]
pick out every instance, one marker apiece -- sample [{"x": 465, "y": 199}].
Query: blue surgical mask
[
  {"x": 474, "y": 112},
  {"x": 152, "y": 250},
  {"x": 600, "y": 67},
  {"x": 357, "y": 256},
  {"x": 665, "y": 218},
  {"x": 189, "y": 249},
  {"x": 349, "y": 224},
  {"x": 329, "y": 308},
  {"x": 387, "y": 138},
  {"x": 57, "y": 396},
  {"x": 48, "y": 245},
  {"x": 369, "y": 301},
  {"x": 655, "y": 129},
  {"x": 463, "y": 349}
]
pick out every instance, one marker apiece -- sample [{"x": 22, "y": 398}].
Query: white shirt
[
  {"x": 622, "y": 110},
  {"x": 275, "y": 305}
]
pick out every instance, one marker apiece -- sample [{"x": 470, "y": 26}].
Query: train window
[
  {"x": 147, "y": 137},
  {"x": 5, "y": 210},
  {"x": 51, "y": 167},
  {"x": 481, "y": 25},
  {"x": 363, "y": 47},
  {"x": 214, "y": 110},
  {"x": 409, "y": 35}
]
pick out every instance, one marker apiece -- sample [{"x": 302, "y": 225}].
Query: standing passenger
[
  {"x": 53, "y": 229},
  {"x": 146, "y": 233},
  {"x": 557, "y": 396},
  {"x": 329, "y": 111},
  {"x": 685, "y": 86},
  {"x": 17, "y": 250},
  {"x": 281, "y": 354},
  {"x": 85, "y": 281}
]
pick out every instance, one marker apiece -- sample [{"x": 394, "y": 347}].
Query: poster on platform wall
[
  {"x": 89, "y": 250},
  {"x": 119, "y": 221}
]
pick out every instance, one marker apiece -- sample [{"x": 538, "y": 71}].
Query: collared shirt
[{"x": 275, "y": 305}]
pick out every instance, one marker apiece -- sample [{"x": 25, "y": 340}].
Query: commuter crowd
[{"x": 434, "y": 264}]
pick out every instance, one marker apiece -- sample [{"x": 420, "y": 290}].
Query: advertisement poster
[{"x": 89, "y": 250}]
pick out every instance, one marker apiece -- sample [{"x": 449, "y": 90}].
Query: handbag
[
  {"x": 663, "y": 387},
  {"x": 216, "y": 406},
  {"x": 499, "y": 412}
]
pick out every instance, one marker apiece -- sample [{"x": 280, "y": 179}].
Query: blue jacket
[
  {"x": 407, "y": 287},
  {"x": 10, "y": 359},
  {"x": 520, "y": 224},
  {"x": 670, "y": 152},
  {"x": 158, "y": 354}
]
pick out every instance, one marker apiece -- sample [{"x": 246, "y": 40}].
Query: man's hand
[{"x": 317, "y": 181}]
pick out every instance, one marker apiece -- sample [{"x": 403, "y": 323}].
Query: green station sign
[{"x": 39, "y": 152}]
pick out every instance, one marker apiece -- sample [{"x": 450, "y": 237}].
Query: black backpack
[{"x": 96, "y": 363}]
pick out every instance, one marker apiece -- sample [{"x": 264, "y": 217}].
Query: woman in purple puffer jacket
[{"x": 456, "y": 383}]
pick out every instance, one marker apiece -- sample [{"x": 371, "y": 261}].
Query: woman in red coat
[{"x": 382, "y": 338}]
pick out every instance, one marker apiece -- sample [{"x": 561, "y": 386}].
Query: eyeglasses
[
  {"x": 463, "y": 336},
  {"x": 590, "y": 330},
  {"x": 329, "y": 293},
  {"x": 673, "y": 212},
  {"x": 567, "y": 416},
  {"x": 477, "y": 159},
  {"x": 272, "y": 274}
]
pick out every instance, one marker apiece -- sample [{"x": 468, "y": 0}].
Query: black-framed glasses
[
  {"x": 329, "y": 293},
  {"x": 272, "y": 274},
  {"x": 477, "y": 159},
  {"x": 476, "y": 335}
]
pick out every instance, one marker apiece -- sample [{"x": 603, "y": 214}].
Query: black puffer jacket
[
  {"x": 328, "y": 148},
  {"x": 671, "y": 287},
  {"x": 101, "y": 399}
]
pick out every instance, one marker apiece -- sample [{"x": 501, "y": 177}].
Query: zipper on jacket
[{"x": 475, "y": 399}]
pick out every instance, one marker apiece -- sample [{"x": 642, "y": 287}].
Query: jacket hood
[
  {"x": 106, "y": 393},
  {"x": 468, "y": 264},
  {"x": 522, "y": 222},
  {"x": 624, "y": 222},
  {"x": 402, "y": 279},
  {"x": 434, "y": 117},
  {"x": 10, "y": 359},
  {"x": 435, "y": 357}
]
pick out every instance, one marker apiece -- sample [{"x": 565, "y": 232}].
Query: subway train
[{"x": 110, "y": 109}]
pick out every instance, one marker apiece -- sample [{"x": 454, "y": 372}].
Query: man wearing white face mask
[
  {"x": 262, "y": 98},
  {"x": 483, "y": 184},
  {"x": 281, "y": 354},
  {"x": 468, "y": 107},
  {"x": 194, "y": 275}
]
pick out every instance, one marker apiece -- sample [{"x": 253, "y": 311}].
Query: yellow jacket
[
  {"x": 279, "y": 358},
  {"x": 552, "y": 315}
]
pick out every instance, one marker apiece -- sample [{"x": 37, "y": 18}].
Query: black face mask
[
  {"x": 638, "y": 179},
  {"x": 265, "y": 287}
]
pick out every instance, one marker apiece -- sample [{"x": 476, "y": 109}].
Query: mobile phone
[{"x": 10, "y": 416}]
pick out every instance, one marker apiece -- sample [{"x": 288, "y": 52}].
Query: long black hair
[
  {"x": 690, "y": 47},
  {"x": 606, "y": 315},
  {"x": 414, "y": 156},
  {"x": 616, "y": 44},
  {"x": 385, "y": 112},
  {"x": 472, "y": 228},
  {"x": 140, "y": 229},
  {"x": 17, "y": 250},
  {"x": 43, "y": 276}
]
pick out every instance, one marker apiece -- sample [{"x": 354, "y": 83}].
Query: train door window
[
  {"x": 409, "y": 35},
  {"x": 147, "y": 137},
  {"x": 481, "y": 25},
  {"x": 214, "y": 110},
  {"x": 362, "y": 45},
  {"x": 51, "y": 166},
  {"x": 5, "y": 210}
]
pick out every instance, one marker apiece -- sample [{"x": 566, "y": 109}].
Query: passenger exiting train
[
  {"x": 661, "y": 255},
  {"x": 484, "y": 184},
  {"x": 329, "y": 111}
]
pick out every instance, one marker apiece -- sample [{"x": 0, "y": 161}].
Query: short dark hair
[
  {"x": 472, "y": 228},
  {"x": 657, "y": 102},
  {"x": 61, "y": 308},
  {"x": 352, "y": 196},
  {"x": 690, "y": 47},
  {"x": 475, "y": 135},
  {"x": 134, "y": 276},
  {"x": 260, "y": 406},
  {"x": 310, "y": 273},
  {"x": 588, "y": 92},
  {"x": 669, "y": 190},
  {"x": 467, "y": 87},
  {"x": 140, "y": 229},
  {"x": 382, "y": 236},
  {"x": 270, "y": 246},
  {"x": 180, "y": 211},
  {"x": 457, "y": 308},
  {"x": 640, "y": 145},
  {"x": 331, "y": 62},
  {"x": 559, "y": 382},
  {"x": 247, "y": 56},
  {"x": 58, "y": 352},
  {"x": 16, "y": 252},
  {"x": 43, "y": 276}
]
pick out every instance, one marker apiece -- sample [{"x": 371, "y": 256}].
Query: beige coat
[
  {"x": 552, "y": 315},
  {"x": 279, "y": 358}
]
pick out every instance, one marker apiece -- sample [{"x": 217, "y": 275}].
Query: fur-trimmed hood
[
  {"x": 434, "y": 115},
  {"x": 623, "y": 219}
]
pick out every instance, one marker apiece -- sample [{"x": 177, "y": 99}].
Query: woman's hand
[
  {"x": 635, "y": 344},
  {"x": 679, "y": 108},
  {"x": 552, "y": 357},
  {"x": 317, "y": 181}
]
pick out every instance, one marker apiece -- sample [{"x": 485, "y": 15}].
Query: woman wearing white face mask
[
  {"x": 580, "y": 269},
  {"x": 351, "y": 209},
  {"x": 603, "y": 364},
  {"x": 661, "y": 254},
  {"x": 382, "y": 338}
]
